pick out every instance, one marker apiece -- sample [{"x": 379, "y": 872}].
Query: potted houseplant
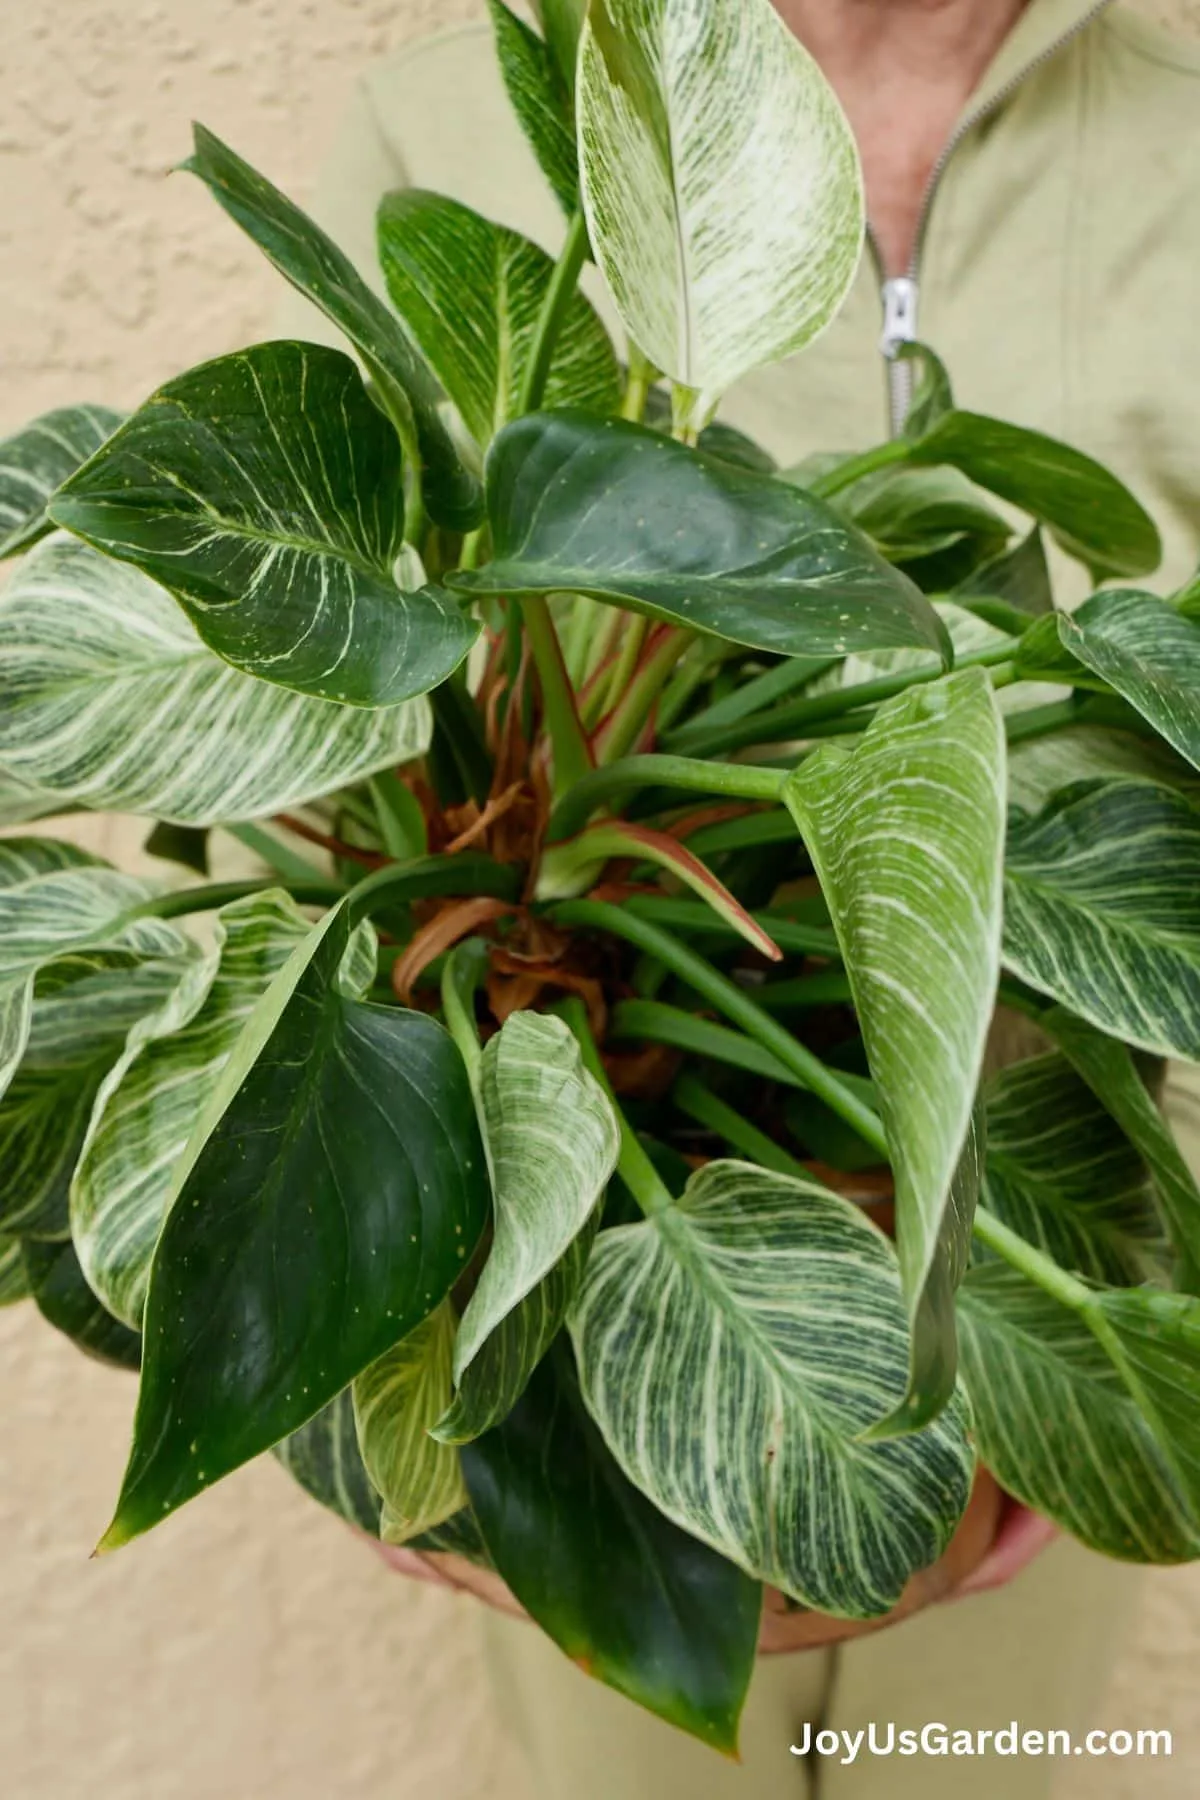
[{"x": 579, "y": 1135}]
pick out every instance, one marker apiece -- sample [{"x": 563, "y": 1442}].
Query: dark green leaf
[
  {"x": 14, "y": 1282},
  {"x": 616, "y": 511},
  {"x": 1018, "y": 581},
  {"x": 912, "y": 513},
  {"x": 471, "y": 294},
  {"x": 312, "y": 262},
  {"x": 1092, "y": 515},
  {"x": 1100, "y": 910},
  {"x": 64, "y": 1298},
  {"x": 37, "y": 460},
  {"x": 323, "y": 1456},
  {"x": 561, "y": 22},
  {"x": 186, "y": 845},
  {"x": 263, "y": 489},
  {"x": 332, "y": 1192},
  {"x": 539, "y": 90},
  {"x": 635, "y": 1601}
]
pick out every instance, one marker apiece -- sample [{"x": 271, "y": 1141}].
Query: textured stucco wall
[{"x": 250, "y": 1649}]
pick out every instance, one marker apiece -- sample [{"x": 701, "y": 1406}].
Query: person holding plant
[{"x": 1029, "y": 188}]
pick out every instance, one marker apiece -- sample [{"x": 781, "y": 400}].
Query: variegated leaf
[
  {"x": 471, "y": 293},
  {"x": 108, "y": 698},
  {"x": 38, "y": 459},
  {"x": 152, "y": 1096},
  {"x": 1065, "y": 1177},
  {"x": 14, "y": 1282},
  {"x": 720, "y": 181},
  {"x": 1061, "y": 1431},
  {"x": 906, "y": 833},
  {"x": 1100, "y": 910},
  {"x": 308, "y": 258},
  {"x": 324, "y": 1458},
  {"x": 1038, "y": 767},
  {"x": 539, "y": 92},
  {"x": 264, "y": 490},
  {"x": 54, "y": 899},
  {"x": 83, "y": 1005},
  {"x": 734, "y": 1348},
  {"x": 1109, "y": 1070},
  {"x": 499, "y": 1372},
  {"x": 1149, "y": 651},
  {"x": 396, "y": 1400},
  {"x": 552, "y": 1140},
  {"x": 22, "y": 801}
]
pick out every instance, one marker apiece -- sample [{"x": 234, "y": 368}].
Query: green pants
[{"x": 1037, "y": 1652}]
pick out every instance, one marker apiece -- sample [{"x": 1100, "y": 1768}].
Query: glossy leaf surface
[
  {"x": 656, "y": 1615},
  {"x": 396, "y": 1400},
  {"x": 37, "y": 460},
  {"x": 619, "y": 512},
  {"x": 263, "y": 489},
  {"x": 324, "y": 1458}
]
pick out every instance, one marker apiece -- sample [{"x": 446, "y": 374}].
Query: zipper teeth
[{"x": 985, "y": 112}]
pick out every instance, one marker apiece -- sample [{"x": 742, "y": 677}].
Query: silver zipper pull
[
  {"x": 900, "y": 300},
  {"x": 900, "y": 297}
]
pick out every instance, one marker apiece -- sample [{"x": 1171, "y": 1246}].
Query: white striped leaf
[
  {"x": 22, "y": 801},
  {"x": 906, "y": 833},
  {"x": 1100, "y": 910},
  {"x": 734, "y": 1349},
  {"x": 1039, "y": 767},
  {"x": 324, "y": 274},
  {"x": 1062, "y": 1173},
  {"x": 1059, "y": 1429},
  {"x": 38, "y": 459},
  {"x": 720, "y": 181},
  {"x": 1109, "y": 1070},
  {"x": 55, "y": 899},
  {"x": 108, "y": 698},
  {"x": 1144, "y": 647},
  {"x": 14, "y": 1282},
  {"x": 539, "y": 86},
  {"x": 471, "y": 293},
  {"x": 155, "y": 1091},
  {"x": 324, "y": 1458},
  {"x": 83, "y": 1006},
  {"x": 552, "y": 1142},
  {"x": 1154, "y": 1339},
  {"x": 264, "y": 490},
  {"x": 500, "y": 1370},
  {"x": 396, "y": 1400}
]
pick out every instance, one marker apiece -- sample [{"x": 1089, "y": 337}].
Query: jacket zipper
[{"x": 901, "y": 294}]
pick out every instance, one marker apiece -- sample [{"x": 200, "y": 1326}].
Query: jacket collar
[{"x": 1043, "y": 27}]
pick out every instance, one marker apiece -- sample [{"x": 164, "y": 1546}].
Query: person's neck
[{"x": 903, "y": 70}]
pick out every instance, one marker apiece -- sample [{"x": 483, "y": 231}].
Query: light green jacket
[{"x": 1058, "y": 269}]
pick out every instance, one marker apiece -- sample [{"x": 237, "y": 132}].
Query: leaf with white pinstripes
[
  {"x": 906, "y": 833},
  {"x": 1100, "y": 910},
  {"x": 14, "y": 1282},
  {"x": 108, "y": 698},
  {"x": 1061, "y": 1172},
  {"x": 1111, "y": 1073},
  {"x": 264, "y": 491},
  {"x": 1145, "y": 648},
  {"x": 734, "y": 1349},
  {"x": 324, "y": 274},
  {"x": 23, "y": 801},
  {"x": 552, "y": 1141},
  {"x": 83, "y": 1006},
  {"x": 323, "y": 1457},
  {"x": 396, "y": 1400},
  {"x": 540, "y": 95},
  {"x": 471, "y": 293},
  {"x": 55, "y": 899},
  {"x": 1059, "y": 1429},
  {"x": 720, "y": 181},
  {"x": 38, "y": 459},
  {"x": 157, "y": 1088}
]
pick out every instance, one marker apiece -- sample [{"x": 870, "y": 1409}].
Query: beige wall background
[{"x": 250, "y": 1649}]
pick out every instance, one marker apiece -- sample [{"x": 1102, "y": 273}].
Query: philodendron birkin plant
[{"x": 651, "y": 835}]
